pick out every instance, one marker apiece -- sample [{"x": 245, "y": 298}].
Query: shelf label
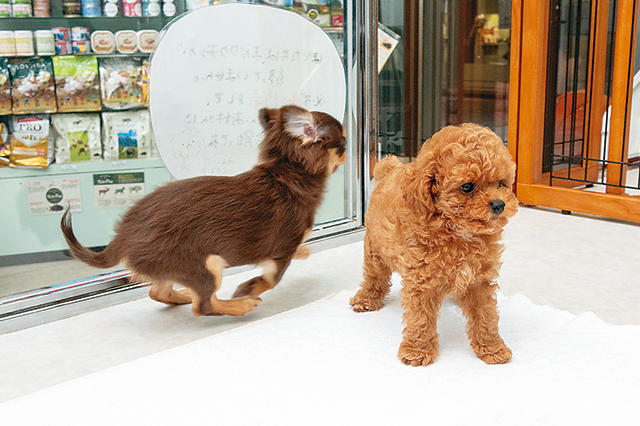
[
  {"x": 51, "y": 196},
  {"x": 118, "y": 189}
]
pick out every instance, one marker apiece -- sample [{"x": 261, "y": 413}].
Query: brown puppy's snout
[{"x": 497, "y": 206}]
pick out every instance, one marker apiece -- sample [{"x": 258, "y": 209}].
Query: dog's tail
[
  {"x": 385, "y": 166},
  {"x": 104, "y": 259}
]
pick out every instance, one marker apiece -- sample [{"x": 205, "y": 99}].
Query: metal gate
[{"x": 571, "y": 88}]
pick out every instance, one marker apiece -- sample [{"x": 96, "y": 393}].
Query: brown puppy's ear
[
  {"x": 267, "y": 117},
  {"x": 421, "y": 177},
  {"x": 299, "y": 123}
]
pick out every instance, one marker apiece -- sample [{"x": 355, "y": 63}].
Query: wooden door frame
[{"x": 527, "y": 93}]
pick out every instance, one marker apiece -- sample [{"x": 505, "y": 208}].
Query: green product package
[{"x": 77, "y": 83}]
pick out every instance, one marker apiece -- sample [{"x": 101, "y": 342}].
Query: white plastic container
[
  {"x": 127, "y": 41},
  {"x": 24, "y": 43},
  {"x": 7, "y": 43},
  {"x": 45, "y": 44}
]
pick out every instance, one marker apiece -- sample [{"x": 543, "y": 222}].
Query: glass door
[{"x": 98, "y": 177}]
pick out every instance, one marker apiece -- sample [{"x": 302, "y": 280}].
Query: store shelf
[
  {"x": 98, "y": 23},
  {"x": 80, "y": 167}
]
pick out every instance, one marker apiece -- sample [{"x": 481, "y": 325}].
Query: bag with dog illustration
[{"x": 77, "y": 137}]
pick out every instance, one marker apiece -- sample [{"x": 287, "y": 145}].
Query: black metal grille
[{"x": 568, "y": 111}]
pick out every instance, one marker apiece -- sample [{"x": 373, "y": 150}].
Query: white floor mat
[{"x": 326, "y": 365}]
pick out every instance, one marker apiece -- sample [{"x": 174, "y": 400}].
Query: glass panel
[
  {"x": 475, "y": 69},
  {"x": 451, "y": 66},
  {"x": 391, "y": 104},
  {"x": 32, "y": 251}
]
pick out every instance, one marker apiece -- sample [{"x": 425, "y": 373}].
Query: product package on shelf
[
  {"x": 103, "y": 42},
  {"x": 5, "y": 87},
  {"x": 77, "y": 83},
  {"x": 122, "y": 81},
  {"x": 146, "y": 68},
  {"x": 5, "y": 147},
  {"x": 126, "y": 135},
  {"x": 31, "y": 142},
  {"x": 77, "y": 137},
  {"x": 33, "y": 89}
]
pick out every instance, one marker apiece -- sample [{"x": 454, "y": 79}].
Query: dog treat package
[
  {"x": 77, "y": 83},
  {"x": 126, "y": 135},
  {"x": 33, "y": 89},
  {"x": 121, "y": 81},
  {"x": 146, "y": 67},
  {"x": 5, "y": 87},
  {"x": 31, "y": 144},
  {"x": 77, "y": 137},
  {"x": 5, "y": 147}
]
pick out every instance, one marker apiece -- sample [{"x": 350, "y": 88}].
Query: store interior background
[
  {"x": 451, "y": 65},
  {"x": 432, "y": 79}
]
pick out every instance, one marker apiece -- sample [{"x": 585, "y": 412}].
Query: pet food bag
[
  {"x": 31, "y": 144},
  {"x": 146, "y": 68},
  {"x": 121, "y": 81},
  {"x": 77, "y": 83},
  {"x": 5, "y": 147},
  {"x": 77, "y": 137},
  {"x": 33, "y": 89},
  {"x": 127, "y": 135},
  {"x": 5, "y": 87}
]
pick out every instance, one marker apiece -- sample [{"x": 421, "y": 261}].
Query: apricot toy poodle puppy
[{"x": 438, "y": 222}]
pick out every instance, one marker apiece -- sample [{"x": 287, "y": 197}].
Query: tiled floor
[{"x": 573, "y": 263}]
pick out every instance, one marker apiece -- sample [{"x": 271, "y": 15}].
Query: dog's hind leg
[
  {"x": 163, "y": 291},
  {"x": 479, "y": 305},
  {"x": 302, "y": 252},
  {"x": 205, "y": 301},
  {"x": 273, "y": 270},
  {"x": 376, "y": 284}
]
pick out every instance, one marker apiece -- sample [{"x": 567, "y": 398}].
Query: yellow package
[
  {"x": 30, "y": 142},
  {"x": 146, "y": 67},
  {"x": 5, "y": 148}
]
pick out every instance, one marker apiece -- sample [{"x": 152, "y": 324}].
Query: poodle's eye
[
  {"x": 467, "y": 188},
  {"x": 501, "y": 184}
]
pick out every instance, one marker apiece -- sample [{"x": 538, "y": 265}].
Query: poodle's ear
[
  {"x": 267, "y": 117},
  {"x": 299, "y": 123},
  {"x": 420, "y": 179}
]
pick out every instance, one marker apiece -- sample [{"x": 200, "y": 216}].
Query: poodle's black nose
[{"x": 497, "y": 206}]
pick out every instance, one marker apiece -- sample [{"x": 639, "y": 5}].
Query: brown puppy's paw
[
  {"x": 234, "y": 307},
  {"x": 248, "y": 304},
  {"x": 361, "y": 303},
  {"x": 499, "y": 354},
  {"x": 252, "y": 287},
  {"x": 416, "y": 357}
]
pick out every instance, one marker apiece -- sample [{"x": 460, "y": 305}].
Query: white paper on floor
[{"x": 324, "y": 364}]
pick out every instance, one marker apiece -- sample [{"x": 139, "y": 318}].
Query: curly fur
[{"x": 442, "y": 240}]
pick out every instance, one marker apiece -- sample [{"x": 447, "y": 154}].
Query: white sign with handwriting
[{"x": 215, "y": 67}]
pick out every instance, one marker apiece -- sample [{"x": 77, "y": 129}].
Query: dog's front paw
[
  {"x": 416, "y": 357},
  {"x": 498, "y": 354},
  {"x": 362, "y": 303},
  {"x": 245, "y": 304}
]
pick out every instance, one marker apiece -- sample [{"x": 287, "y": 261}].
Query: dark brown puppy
[{"x": 189, "y": 230}]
